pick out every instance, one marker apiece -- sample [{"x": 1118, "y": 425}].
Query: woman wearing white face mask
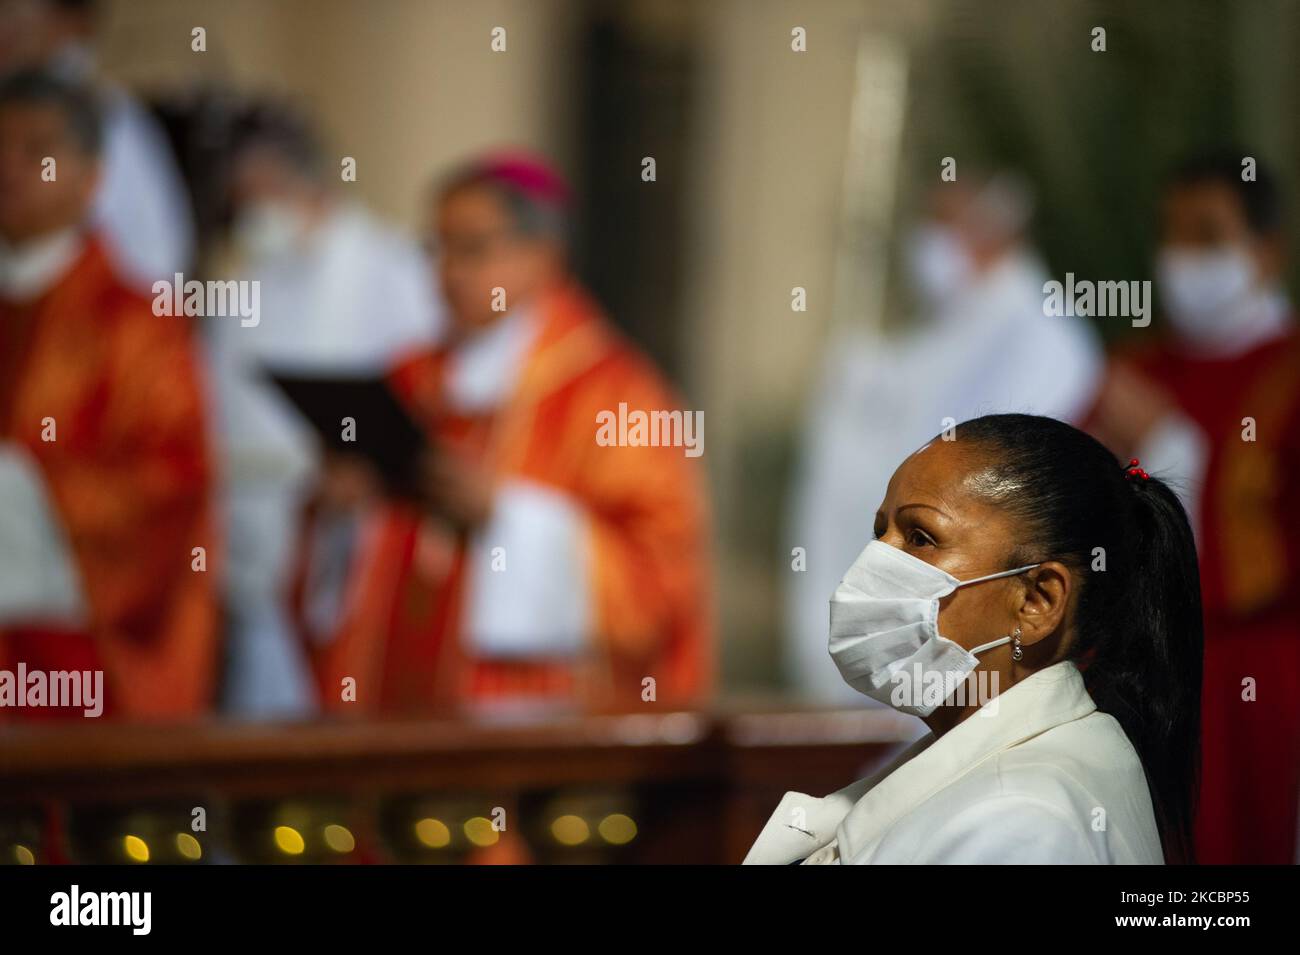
[{"x": 1036, "y": 603}]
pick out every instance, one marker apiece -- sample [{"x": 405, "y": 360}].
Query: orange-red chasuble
[
  {"x": 128, "y": 474},
  {"x": 645, "y": 522}
]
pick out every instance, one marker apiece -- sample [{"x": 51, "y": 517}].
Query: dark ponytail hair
[{"x": 1138, "y": 626}]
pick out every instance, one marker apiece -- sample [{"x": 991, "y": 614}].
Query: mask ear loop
[
  {"x": 1017, "y": 652},
  {"x": 995, "y": 643},
  {"x": 1004, "y": 573}
]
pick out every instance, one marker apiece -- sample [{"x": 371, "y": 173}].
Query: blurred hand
[
  {"x": 348, "y": 483},
  {"x": 1129, "y": 408},
  {"x": 456, "y": 488}
]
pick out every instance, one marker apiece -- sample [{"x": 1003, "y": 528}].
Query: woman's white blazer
[{"x": 1036, "y": 775}]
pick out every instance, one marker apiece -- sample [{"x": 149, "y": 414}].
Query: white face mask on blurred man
[
  {"x": 1204, "y": 290},
  {"x": 270, "y": 229},
  {"x": 1220, "y": 264},
  {"x": 937, "y": 263}
]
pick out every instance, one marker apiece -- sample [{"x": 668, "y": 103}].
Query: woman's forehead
[
  {"x": 937, "y": 463},
  {"x": 945, "y": 471}
]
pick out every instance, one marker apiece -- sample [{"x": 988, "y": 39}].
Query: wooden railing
[{"x": 659, "y": 787}]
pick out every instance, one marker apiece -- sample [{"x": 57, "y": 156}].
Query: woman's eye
[{"x": 918, "y": 538}]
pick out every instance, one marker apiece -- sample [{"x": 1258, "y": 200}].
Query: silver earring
[{"x": 1017, "y": 651}]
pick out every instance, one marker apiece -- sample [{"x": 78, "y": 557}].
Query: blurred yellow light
[
  {"x": 570, "y": 830},
  {"x": 188, "y": 846},
  {"x": 433, "y": 833},
  {"x": 137, "y": 850},
  {"x": 24, "y": 856},
  {"x": 480, "y": 832},
  {"x": 339, "y": 838},
  {"x": 289, "y": 840},
  {"x": 617, "y": 829}
]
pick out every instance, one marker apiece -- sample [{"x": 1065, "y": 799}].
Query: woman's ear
[{"x": 1043, "y": 601}]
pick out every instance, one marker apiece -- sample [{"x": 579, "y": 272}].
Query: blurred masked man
[
  {"x": 1215, "y": 405},
  {"x": 339, "y": 292},
  {"x": 101, "y": 433},
  {"x": 546, "y": 566},
  {"x": 141, "y": 205},
  {"x": 982, "y": 344}
]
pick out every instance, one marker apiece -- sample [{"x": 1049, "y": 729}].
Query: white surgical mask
[
  {"x": 885, "y": 619},
  {"x": 937, "y": 264},
  {"x": 1203, "y": 290},
  {"x": 270, "y": 229}
]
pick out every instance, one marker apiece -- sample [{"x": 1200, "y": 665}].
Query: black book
[{"x": 384, "y": 432}]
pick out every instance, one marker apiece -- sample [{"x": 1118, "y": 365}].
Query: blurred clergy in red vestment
[
  {"x": 537, "y": 563},
  {"x": 103, "y": 465}
]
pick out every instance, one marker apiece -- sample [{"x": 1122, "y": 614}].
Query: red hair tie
[{"x": 1134, "y": 471}]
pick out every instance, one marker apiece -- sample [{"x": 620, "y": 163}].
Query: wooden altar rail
[{"x": 727, "y": 767}]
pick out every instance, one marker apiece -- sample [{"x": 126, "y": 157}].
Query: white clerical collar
[
  {"x": 30, "y": 269},
  {"x": 483, "y": 369}
]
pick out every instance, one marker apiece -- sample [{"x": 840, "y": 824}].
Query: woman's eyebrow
[{"x": 929, "y": 507}]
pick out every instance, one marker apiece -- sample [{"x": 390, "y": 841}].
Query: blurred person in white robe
[
  {"x": 141, "y": 206},
  {"x": 977, "y": 346},
  {"x": 340, "y": 293}
]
